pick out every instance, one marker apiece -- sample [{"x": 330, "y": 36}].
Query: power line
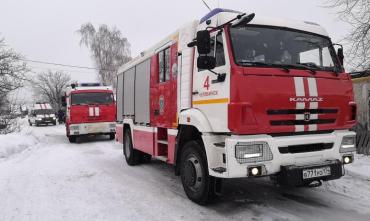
[
  {"x": 61, "y": 69},
  {"x": 63, "y": 65}
]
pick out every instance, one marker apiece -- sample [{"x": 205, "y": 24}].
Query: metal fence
[{"x": 362, "y": 139}]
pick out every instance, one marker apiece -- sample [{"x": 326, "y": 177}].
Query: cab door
[
  {"x": 164, "y": 87},
  {"x": 210, "y": 94}
]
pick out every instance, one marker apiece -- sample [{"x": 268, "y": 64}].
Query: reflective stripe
[
  {"x": 299, "y": 86},
  {"x": 91, "y": 111},
  {"x": 299, "y": 92},
  {"x": 97, "y": 111},
  {"x": 211, "y": 101},
  {"x": 312, "y": 87},
  {"x": 312, "y": 90}
]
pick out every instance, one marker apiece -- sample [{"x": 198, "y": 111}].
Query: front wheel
[
  {"x": 72, "y": 139},
  {"x": 112, "y": 136},
  {"x": 198, "y": 185}
]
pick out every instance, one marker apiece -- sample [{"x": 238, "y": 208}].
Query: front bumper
[
  {"x": 223, "y": 163},
  {"x": 46, "y": 121},
  {"x": 293, "y": 175},
  {"x": 92, "y": 128}
]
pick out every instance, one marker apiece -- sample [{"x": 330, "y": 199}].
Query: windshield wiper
[
  {"x": 257, "y": 63},
  {"x": 312, "y": 67}
]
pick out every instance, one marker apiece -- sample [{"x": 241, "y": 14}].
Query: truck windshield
[
  {"x": 92, "y": 98},
  {"x": 265, "y": 46},
  {"x": 44, "y": 111}
]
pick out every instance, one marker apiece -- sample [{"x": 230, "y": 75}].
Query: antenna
[{"x": 207, "y": 5}]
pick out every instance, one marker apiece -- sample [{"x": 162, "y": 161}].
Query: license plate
[
  {"x": 95, "y": 128},
  {"x": 317, "y": 172}
]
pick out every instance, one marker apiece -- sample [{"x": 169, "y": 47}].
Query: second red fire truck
[
  {"x": 237, "y": 95},
  {"x": 90, "y": 110}
]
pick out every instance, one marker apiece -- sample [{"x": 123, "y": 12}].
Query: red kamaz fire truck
[
  {"x": 90, "y": 110},
  {"x": 237, "y": 95}
]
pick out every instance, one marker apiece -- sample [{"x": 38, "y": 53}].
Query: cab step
[{"x": 161, "y": 158}]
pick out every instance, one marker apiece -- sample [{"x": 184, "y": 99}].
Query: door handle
[{"x": 195, "y": 92}]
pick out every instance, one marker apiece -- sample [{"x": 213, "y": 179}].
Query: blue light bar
[
  {"x": 215, "y": 12},
  {"x": 89, "y": 84}
]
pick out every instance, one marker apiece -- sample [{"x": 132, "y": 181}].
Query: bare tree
[
  {"x": 12, "y": 72},
  {"x": 49, "y": 86},
  {"x": 12, "y": 76},
  {"x": 109, "y": 50},
  {"x": 357, "y": 14}
]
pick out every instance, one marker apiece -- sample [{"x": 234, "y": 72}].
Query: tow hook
[{"x": 315, "y": 183}]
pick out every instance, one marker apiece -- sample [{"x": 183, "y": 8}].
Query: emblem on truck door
[
  {"x": 307, "y": 116},
  {"x": 161, "y": 104}
]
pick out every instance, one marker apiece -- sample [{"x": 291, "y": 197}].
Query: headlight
[
  {"x": 348, "y": 144},
  {"x": 39, "y": 118},
  {"x": 246, "y": 152},
  {"x": 74, "y": 127}
]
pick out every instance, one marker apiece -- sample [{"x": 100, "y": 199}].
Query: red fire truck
[
  {"x": 90, "y": 110},
  {"x": 237, "y": 95}
]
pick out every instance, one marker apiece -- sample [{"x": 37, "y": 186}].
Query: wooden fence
[{"x": 362, "y": 139}]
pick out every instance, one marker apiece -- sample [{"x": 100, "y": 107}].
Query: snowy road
[{"x": 51, "y": 179}]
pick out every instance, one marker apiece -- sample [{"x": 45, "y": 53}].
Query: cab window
[
  {"x": 217, "y": 50},
  {"x": 164, "y": 65}
]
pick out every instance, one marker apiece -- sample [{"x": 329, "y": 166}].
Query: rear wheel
[
  {"x": 145, "y": 158},
  {"x": 198, "y": 185},
  {"x": 132, "y": 156},
  {"x": 72, "y": 139}
]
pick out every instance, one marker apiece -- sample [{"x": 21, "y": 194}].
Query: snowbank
[
  {"x": 17, "y": 142},
  {"x": 361, "y": 167}
]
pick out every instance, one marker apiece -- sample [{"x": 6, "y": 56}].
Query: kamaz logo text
[{"x": 306, "y": 99}]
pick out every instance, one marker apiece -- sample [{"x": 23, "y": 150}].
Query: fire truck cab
[
  {"x": 238, "y": 95},
  {"x": 90, "y": 110}
]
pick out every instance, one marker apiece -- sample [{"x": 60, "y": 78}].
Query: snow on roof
[{"x": 221, "y": 16}]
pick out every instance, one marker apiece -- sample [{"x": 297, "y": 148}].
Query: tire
[
  {"x": 54, "y": 123},
  {"x": 29, "y": 122},
  {"x": 145, "y": 158},
  {"x": 112, "y": 136},
  {"x": 72, "y": 139},
  {"x": 197, "y": 184},
  {"x": 132, "y": 156}
]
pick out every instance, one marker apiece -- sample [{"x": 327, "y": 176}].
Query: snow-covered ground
[{"x": 44, "y": 177}]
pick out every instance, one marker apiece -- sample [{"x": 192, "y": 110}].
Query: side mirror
[
  {"x": 202, "y": 41},
  {"x": 206, "y": 62},
  {"x": 64, "y": 101},
  {"x": 340, "y": 55}
]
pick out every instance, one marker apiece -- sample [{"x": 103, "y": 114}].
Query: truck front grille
[
  {"x": 301, "y": 122},
  {"x": 302, "y": 111},
  {"x": 323, "y": 116},
  {"x": 305, "y": 148}
]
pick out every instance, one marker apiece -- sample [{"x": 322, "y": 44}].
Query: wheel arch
[{"x": 185, "y": 134}]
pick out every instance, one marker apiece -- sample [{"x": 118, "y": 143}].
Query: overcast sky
[{"x": 46, "y": 29}]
